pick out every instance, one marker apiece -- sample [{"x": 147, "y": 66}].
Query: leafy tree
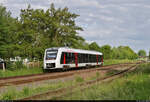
[
  {"x": 123, "y": 52},
  {"x": 37, "y": 30},
  {"x": 107, "y": 52},
  {"x": 94, "y": 46},
  {"x": 53, "y": 27},
  {"x": 7, "y": 33},
  {"x": 142, "y": 53}
]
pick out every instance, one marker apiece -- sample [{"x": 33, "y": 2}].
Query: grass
[
  {"x": 134, "y": 86},
  {"x": 49, "y": 86},
  {"x": 117, "y": 61},
  {"x": 25, "y": 71},
  {"x": 18, "y": 72},
  {"x": 29, "y": 91},
  {"x": 105, "y": 91},
  {"x": 79, "y": 79}
]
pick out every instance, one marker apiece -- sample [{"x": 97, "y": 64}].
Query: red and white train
[{"x": 64, "y": 57}]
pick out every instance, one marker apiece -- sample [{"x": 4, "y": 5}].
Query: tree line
[{"x": 35, "y": 30}]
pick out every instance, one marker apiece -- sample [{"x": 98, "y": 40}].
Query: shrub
[
  {"x": 14, "y": 65},
  {"x": 9, "y": 65}
]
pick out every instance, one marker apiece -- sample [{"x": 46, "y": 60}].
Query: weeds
[
  {"x": 134, "y": 86},
  {"x": 97, "y": 74},
  {"x": 26, "y": 91},
  {"x": 9, "y": 95},
  {"x": 19, "y": 72},
  {"x": 79, "y": 79},
  {"x": 117, "y": 61}
]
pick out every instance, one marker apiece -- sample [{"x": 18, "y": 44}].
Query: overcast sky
[{"x": 113, "y": 22}]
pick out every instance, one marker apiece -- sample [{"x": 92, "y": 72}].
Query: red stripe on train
[{"x": 76, "y": 59}]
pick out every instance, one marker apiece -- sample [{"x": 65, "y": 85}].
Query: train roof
[{"x": 67, "y": 49}]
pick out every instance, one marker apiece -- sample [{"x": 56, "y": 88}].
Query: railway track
[
  {"x": 62, "y": 92},
  {"x": 23, "y": 76},
  {"x": 39, "y": 77}
]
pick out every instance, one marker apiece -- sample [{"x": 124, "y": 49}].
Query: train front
[{"x": 50, "y": 59}]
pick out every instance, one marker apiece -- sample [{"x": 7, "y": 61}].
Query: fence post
[{"x": 3, "y": 66}]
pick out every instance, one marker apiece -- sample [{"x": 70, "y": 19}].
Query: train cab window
[{"x": 51, "y": 54}]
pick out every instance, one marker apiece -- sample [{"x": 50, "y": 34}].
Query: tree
[
  {"x": 94, "y": 46},
  {"x": 107, "y": 52},
  {"x": 7, "y": 33},
  {"x": 142, "y": 53},
  {"x": 123, "y": 52},
  {"x": 53, "y": 27}
]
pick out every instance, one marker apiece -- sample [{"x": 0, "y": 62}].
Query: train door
[{"x": 76, "y": 59}]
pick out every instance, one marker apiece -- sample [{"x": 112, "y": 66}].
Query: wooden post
[{"x": 3, "y": 66}]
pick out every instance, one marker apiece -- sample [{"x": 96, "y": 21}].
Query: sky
[{"x": 113, "y": 22}]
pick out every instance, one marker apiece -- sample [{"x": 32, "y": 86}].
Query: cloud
[
  {"x": 113, "y": 22},
  {"x": 2, "y": 1}
]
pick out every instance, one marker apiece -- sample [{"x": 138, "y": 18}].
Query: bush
[
  {"x": 9, "y": 65},
  {"x": 14, "y": 65}
]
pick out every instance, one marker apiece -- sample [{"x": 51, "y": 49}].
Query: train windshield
[{"x": 51, "y": 54}]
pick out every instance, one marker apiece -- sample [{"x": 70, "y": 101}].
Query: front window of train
[{"x": 51, "y": 54}]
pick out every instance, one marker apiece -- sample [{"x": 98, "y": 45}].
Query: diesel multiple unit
[{"x": 64, "y": 57}]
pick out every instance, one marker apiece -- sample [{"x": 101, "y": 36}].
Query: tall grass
[
  {"x": 117, "y": 61},
  {"x": 22, "y": 71},
  {"x": 134, "y": 86},
  {"x": 18, "y": 68}
]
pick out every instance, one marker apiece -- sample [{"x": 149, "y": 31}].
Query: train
[{"x": 65, "y": 58}]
